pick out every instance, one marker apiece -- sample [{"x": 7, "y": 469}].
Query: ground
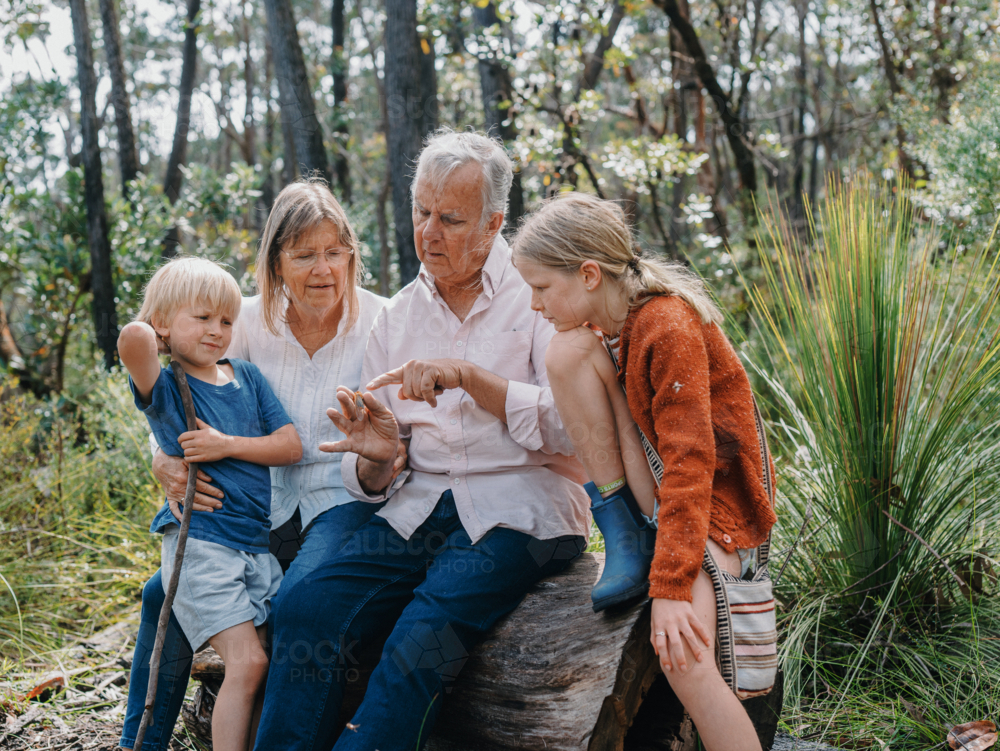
[{"x": 81, "y": 708}]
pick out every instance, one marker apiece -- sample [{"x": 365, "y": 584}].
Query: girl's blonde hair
[
  {"x": 300, "y": 208},
  {"x": 576, "y": 227},
  {"x": 189, "y": 281}
]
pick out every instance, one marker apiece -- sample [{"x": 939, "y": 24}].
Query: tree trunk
[
  {"x": 889, "y": 66},
  {"x": 267, "y": 186},
  {"x": 178, "y": 152},
  {"x": 496, "y": 87},
  {"x": 102, "y": 282},
  {"x": 248, "y": 146},
  {"x": 799, "y": 131},
  {"x": 406, "y": 105},
  {"x": 736, "y": 128},
  {"x": 289, "y": 164},
  {"x": 340, "y": 132},
  {"x": 595, "y": 61},
  {"x": 128, "y": 160},
  {"x": 298, "y": 110},
  {"x": 552, "y": 675}
]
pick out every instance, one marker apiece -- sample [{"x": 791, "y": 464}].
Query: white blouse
[{"x": 306, "y": 387}]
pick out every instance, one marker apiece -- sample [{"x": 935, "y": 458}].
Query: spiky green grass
[{"x": 877, "y": 346}]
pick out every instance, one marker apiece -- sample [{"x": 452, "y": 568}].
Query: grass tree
[{"x": 880, "y": 346}]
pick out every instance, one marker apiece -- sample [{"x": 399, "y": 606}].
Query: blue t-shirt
[{"x": 245, "y": 406}]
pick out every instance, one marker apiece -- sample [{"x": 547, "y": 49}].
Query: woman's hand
[
  {"x": 172, "y": 473},
  {"x": 371, "y": 433},
  {"x": 423, "y": 380},
  {"x": 671, "y": 622},
  {"x": 205, "y": 444}
]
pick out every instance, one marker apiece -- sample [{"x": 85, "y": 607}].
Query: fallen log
[{"x": 552, "y": 676}]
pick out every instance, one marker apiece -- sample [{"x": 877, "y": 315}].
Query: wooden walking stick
[{"x": 161, "y": 625}]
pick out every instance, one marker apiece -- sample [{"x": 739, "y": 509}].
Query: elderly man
[{"x": 456, "y": 365}]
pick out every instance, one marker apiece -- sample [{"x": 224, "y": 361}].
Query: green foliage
[
  {"x": 882, "y": 360},
  {"x": 964, "y": 157},
  {"x": 77, "y": 498}
]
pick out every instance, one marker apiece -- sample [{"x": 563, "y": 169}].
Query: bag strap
[
  {"x": 764, "y": 549},
  {"x": 655, "y": 462}
]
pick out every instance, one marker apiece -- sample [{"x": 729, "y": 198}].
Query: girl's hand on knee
[{"x": 671, "y": 622}]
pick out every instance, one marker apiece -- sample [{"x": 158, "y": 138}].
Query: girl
[{"x": 686, "y": 390}]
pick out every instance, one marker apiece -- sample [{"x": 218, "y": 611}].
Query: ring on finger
[{"x": 661, "y": 633}]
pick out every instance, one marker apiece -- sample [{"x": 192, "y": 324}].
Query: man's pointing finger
[{"x": 393, "y": 376}]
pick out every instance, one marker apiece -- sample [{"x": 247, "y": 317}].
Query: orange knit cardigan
[{"x": 690, "y": 395}]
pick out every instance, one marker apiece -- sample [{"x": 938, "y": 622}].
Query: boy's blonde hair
[
  {"x": 188, "y": 281},
  {"x": 576, "y": 227},
  {"x": 300, "y": 208}
]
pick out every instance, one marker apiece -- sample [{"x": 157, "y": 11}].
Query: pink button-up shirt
[{"x": 521, "y": 475}]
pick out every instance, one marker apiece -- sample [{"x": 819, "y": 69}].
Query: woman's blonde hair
[
  {"x": 576, "y": 227},
  {"x": 300, "y": 208},
  {"x": 189, "y": 281}
]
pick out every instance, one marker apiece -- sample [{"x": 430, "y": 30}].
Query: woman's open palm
[{"x": 371, "y": 432}]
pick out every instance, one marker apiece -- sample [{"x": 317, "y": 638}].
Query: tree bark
[
  {"x": 406, "y": 104},
  {"x": 178, "y": 152},
  {"x": 595, "y": 61},
  {"x": 497, "y": 88},
  {"x": 735, "y": 127},
  {"x": 889, "y": 66},
  {"x": 552, "y": 675},
  {"x": 340, "y": 131},
  {"x": 128, "y": 160},
  {"x": 102, "y": 281},
  {"x": 248, "y": 146},
  {"x": 298, "y": 109},
  {"x": 802, "y": 94}
]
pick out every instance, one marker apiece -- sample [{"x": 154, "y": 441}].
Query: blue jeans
[
  {"x": 323, "y": 538},
  {"x": 438, "y": 593}
]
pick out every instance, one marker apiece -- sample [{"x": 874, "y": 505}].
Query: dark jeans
[
  {"x": 300, "y": 553},
  {"x": 437, "y": 592}
]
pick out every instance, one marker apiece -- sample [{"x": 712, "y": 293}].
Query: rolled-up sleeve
[{"x": 532, "y": 419}]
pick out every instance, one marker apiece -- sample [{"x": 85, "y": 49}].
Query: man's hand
[
  {"x": 205, "y": 444},
  {"x": 171, "y": 472},
  {"x": 424, "y": 380},
  {"x": 674, "y": 622},
  {"x": 371, "y": 433},
  {"x": 402, "y": 458}
]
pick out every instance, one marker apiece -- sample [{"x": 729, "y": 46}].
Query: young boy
[{"x": 228, "y": 577}]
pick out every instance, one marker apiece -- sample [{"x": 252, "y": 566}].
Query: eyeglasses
[{"x": 303, "y": 259}]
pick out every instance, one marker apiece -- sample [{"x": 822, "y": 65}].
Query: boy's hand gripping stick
[{"x": 161, "y": 626}]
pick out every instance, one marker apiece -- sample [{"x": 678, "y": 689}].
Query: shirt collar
[{"x": 494, "y": 269}]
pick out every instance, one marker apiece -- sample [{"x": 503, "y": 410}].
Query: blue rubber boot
[{"x": 629, "y": 541}]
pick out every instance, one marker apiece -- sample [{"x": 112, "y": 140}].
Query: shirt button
[
  {"x": 727, "y": 539},
  {"x": 458, "y": 343},
  {"x": 426, "y": 508},
  {"x": 454, "y": 422},
  {"x": 458, "y": 481},
  {"x": 458, "y": 456}
]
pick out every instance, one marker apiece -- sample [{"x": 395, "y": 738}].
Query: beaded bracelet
[{"x": 620, "y": 482}]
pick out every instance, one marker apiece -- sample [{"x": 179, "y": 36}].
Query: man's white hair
[{"x": 447, "y": 150}]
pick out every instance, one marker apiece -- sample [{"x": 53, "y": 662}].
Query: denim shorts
[{"x": 219, "y": 587}]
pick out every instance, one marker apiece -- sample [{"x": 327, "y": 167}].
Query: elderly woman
[{"x": 306, "y": 331}]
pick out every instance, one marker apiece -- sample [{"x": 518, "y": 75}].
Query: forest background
[{"x": 134, "y": 130}]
